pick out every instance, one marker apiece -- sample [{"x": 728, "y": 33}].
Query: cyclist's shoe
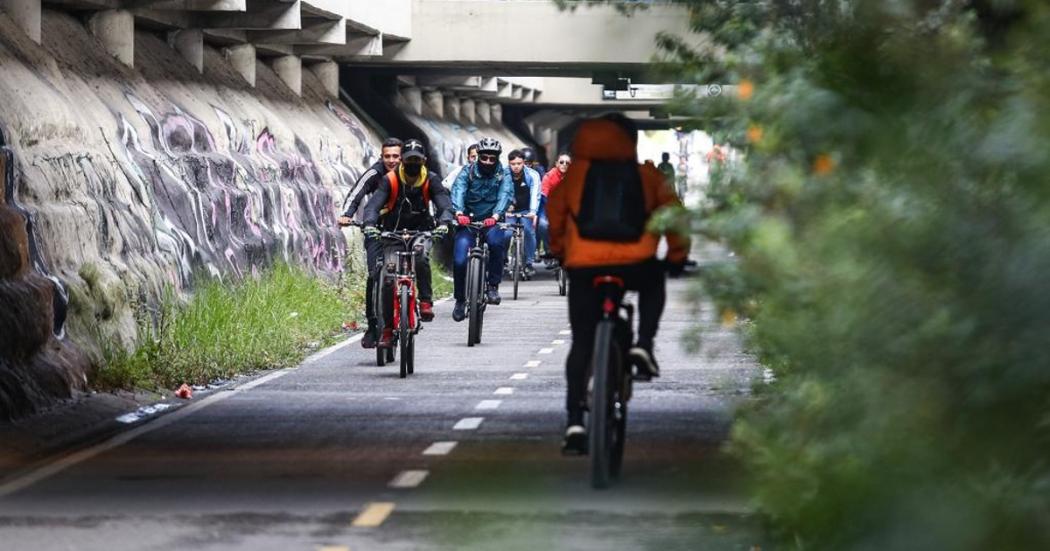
[
  {"x": 368, "y": 340},
  {"x": 529, "y": 270},
  {"x": 575, "y": 442},
  {"x": 459, "y": 311},
  {"x": 426, "y": 310},
  {"x": 388, "y": 338},
  {"x": 492, "y": 295},
  {"x": 645, "y": 362}
]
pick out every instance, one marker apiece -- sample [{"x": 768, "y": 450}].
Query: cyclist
[
  {"x": 526, "y": 183},
  {"x": 532, "y": 161},
  {"x": 402, "y": 201},
  {"x": 612, "y": 138},
  {"x": 482, "y": 192},
  {"x": 364, "y": 187},
  {"x": 472, "y": 155},
  {"x": 550, "y": 181}
]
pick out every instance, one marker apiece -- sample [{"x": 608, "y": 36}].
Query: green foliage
[
  {"x": 891, "y": 224},
  {"x": 226, "y": 329}
]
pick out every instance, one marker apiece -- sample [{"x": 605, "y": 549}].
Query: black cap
[{"x": 413, "y": 148}]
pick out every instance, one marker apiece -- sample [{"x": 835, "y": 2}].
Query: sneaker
[
  {"x": 459, "y": 311},
  {"x": 529, "y": 270},
  {"x": 426, "y": 310},
  {"x": 492, "y": 295},
  {"x": 368, "y": 340},
  {"x": 645, "y": 361},
  {"x": 388, "y": 338},
  {"x": 575, "y": 442}
]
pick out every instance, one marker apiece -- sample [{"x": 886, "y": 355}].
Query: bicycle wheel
[
  {"x": 473, "y": 297},
  {"x": 404, "y": 330},
  {"x": 563, "y": 282},
  {"x": 516, "y": 264},
  {"x": 411, "y": 353},
  {"x": 602, "y": 430}
]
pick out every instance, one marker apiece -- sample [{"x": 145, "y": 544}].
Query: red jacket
[
  {"x": 599, "y": 139},
  {"x": 551, "y": 181}
]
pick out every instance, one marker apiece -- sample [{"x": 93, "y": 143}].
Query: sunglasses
[
  {"x": 488, "y": 158},
  {"x": 563, "y": 162}
]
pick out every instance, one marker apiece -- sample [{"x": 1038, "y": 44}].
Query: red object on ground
[{"x": 184, "y": 392}]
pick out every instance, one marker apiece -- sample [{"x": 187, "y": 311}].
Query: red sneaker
[{"x": 426, "y": 310}]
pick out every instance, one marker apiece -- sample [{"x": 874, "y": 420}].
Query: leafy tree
[{"x": 891, "y": 221}]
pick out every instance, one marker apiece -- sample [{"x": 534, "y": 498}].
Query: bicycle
[
  {"x": 477, "y": 260},
  {"x": 559, "y": 274},
  {"x": 516, "y": 258},
  {"x": 404, "y": 246},
  {"x": 611, "y": 381}
]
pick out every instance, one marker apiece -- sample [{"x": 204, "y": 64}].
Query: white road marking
[
  {"x": 546, "y": 351},
  {"x": 488, "y": 404},
  {"x": 468, "y": 423},
  {"x": 504, "y": 391},
  {"x": 558, "y": 341},
  {"x": 373, "y": 515},
  {"x": 440, "y": 448},
  {"x": 409, "y": 479},
  {"x": 519, "y": 376},
  {"x": 565, "y": 332},
  {"x": 533, "y": 363}
]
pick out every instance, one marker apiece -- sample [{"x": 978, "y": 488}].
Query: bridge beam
[{"x": 25, "y": 14}]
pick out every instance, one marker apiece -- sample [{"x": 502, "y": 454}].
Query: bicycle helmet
[
  {"x": 489, "y": 145},
  {"x": 528, "y": 154}
]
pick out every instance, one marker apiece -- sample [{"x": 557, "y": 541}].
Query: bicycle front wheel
[
  {"x": 602, "y": 430},
  {"x": 516, "y": 265},
  {"x": 474, "y": 276},
  {"x": 404, "y": 330}
]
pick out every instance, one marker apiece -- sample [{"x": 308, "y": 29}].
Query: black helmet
[
  {"x": 528, "y": 154},
  {"x": 489, "y": 145}
]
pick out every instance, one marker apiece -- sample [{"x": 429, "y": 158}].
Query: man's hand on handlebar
[
  {"x": 344, "y": 221},
  {"x": 463, "y": 219},
  {"x": 490, "y": 221},
  {"x": 675, "y": 269}
]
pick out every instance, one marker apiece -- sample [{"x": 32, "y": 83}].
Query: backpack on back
[{"x": 613, "y": 203}]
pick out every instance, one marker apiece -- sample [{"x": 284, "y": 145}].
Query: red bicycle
[{"x": 398, "y": 274}]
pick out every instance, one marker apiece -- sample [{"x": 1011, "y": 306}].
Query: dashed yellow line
[{"x": 373, "y": 515}]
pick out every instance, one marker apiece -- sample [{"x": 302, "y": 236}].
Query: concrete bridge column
[
  {"x": 328, "y": 73},
  {"x": 435, "y": 101},
  {"x": 484, "y": 112},
  {"x": 242, "y": 57},
  {"x": 413, "y": 99},
  {"x": 189, "y": 43},
  {"x": 496, "y": 114},
  {"x": 289, "y": 69},
  {"x": 452, "y": 107},
  {"x": 466, "y": 111},
  {"x": 25, "y": 14},
  {"x": 116, "y": 30}
]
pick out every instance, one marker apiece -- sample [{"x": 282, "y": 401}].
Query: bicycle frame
[{"x": 404, "y": 272}]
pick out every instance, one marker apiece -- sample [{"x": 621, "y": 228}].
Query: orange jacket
[{"x": 599, "y": 139}]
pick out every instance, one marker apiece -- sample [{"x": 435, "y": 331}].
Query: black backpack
[{"x": 613, "y": 203}]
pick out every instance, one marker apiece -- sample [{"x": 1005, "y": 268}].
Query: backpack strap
[{"x": 391, "y": 200}]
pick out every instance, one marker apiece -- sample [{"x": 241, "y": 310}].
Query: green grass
[{"x": 225, "y": 329}]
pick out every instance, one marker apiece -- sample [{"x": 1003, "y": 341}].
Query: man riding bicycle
[
  {"x": 364, "y": 188},
  {"x": 526, "y": 183},
  {"x": 481, "y": 193},
  {"x": 599, "y": 144},
  {"x": 402, "y": 202}
]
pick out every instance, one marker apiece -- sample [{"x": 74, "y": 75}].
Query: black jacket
[
  {"x": 409, "y": 210},
  {"x": 366, "y": 185}
]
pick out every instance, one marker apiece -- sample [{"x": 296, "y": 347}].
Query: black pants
[
  {"x": 373, "y": 252},
  {"x": 648, "y": 278}
]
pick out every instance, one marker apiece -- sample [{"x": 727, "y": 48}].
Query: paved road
[{"x": 296, "y": 461}]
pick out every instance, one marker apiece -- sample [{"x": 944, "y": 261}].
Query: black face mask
[
  {"x": 413, "y": 169},
  {"x": 486, "y": 170}
]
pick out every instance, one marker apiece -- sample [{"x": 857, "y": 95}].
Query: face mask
[
  {"x": 487, "y": 170},
  {"x": 413, "y": 169}
]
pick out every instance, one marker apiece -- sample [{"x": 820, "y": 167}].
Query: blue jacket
[
  {"x": 533, "y": 180},
  {"x": 480, "y": 196}
]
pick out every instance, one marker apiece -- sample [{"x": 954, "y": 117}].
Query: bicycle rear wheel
[
  {"x": 404, "y": 330},
  {"x": 473, "y": 297},
  {"x": 603, "y": 419},
  {"x": 563, "y": 281}
]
